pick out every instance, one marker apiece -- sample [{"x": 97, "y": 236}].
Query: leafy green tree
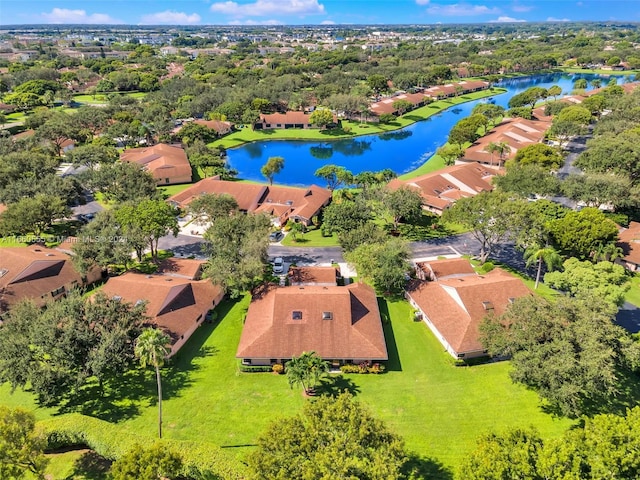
[
  {"x": 103, "y": 243},
  {"x": 384, "y": 264},
  {"x": 92, "y": 155},
  {"x": 603, "y": 280},
  {"x": 521, "y": 112},
  {"x": 569, "y": 351},
  {"x": 273, "y": 166},
  {"x": 402, "y": 106},
  {"x": 529, "y": 97},
  {"x": 564, "y": 130},
  {"x": 237, "y": 248},
  {"x": 577, "y": 114},
  {"x": 346, "y": 215},
  {"x": 377, "y": 83},
  {"x": 152, "y": 218},
  {"x": 511, "y": 455},
  {"x": 554, "y": 91},
  {"x": 147, "y": 463},
  {"x": 487, "y": 215},
  {"x": 537, "y": 254},
  {"x": 32, "y": 215},
  {"x": 306, "y": 371},
  {"x": 465, "y": 131},
  {"x": 331, "y": 438},
  {"x": 581, "y": 234},
  {"x": 450, "y": 153},
  {"x": 192, "y": 131},
  {"x": 334, "y": 175},
  {"x": 580, "y": 84},
  {"x": 210, "y": 206},
  {"x": 366, "y": 233},
  {"x": 491, "y": 111},
  {"x": 527, "y": 180},
  {"x": 540, "y": 154},
  {"x": 321, "y": 117},
  {"x": 21, "y": 445},
  {"x": 151, "y": 348},
  {"x": 122, "y": 182},
  {"x": 595, "y": 189},
  {"x": 72, "y": 342},
  {"x": 403, "y": 203}
]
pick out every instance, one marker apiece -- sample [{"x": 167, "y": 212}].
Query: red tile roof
[
  {"x": 313, "y": 275},
  {"x": 290, "y": 117},
  {"x": 456, "y": 306},
  {"x": 630, "y": 243},
  {"x": 440, "y": 189},
  {"x": 282, "y": 202},
  {"x": 162, "y": 160},
  {"x": 173, "y": 304},
  {"x": 353, "y": 332},
  {"x": 219, "y": 126},
  {"x": 35, "y": 272}
]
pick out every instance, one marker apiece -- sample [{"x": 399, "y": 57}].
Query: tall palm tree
[
  {"x": 503, "y": 150},
  {"x": 151, "y": 349},
  {"x": 306, "y": 370},
  {"x": 492, "y": 148},
  {"x": 538, "y": 254}
]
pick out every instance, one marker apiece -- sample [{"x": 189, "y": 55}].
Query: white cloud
[
  {"x": 505, "y": 19},
  {"x": 264, "y": 8},
  {"x": 554, "y": 19},
  {"x": 461, "y": 10},
  {"x": 65, "y": 15},
  {"x": 255, "y": 22},
  {"x": 423, "y": 2},
  {"x": 327, "y": 22},
  {"x": 170, "y": 17}
]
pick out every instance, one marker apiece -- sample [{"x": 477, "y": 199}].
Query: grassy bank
[
  {"x": 599, "y": 71},
  {"x": 350, "y": 128}
]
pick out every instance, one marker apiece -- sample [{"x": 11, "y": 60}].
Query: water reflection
[
  {"x": 396, "y": 135},
  {"x": 321, "y": 152},
  {"x": 352, "y": 148}
]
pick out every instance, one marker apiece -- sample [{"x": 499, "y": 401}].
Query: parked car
[
  {"x": 276, "y": 236},
  {"x": 278, "y": 265}
]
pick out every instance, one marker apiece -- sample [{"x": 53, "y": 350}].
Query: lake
[{"x": 401, "y": 150}]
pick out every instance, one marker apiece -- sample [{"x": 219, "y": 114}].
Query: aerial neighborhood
[{"x": 334, "y": 250}]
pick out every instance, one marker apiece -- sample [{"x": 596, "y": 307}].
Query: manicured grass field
[
  {"x": 313, "y": 238},
  {"x": 633, "y": 294},
  {"x": 101, "y": 98},
  {"x": 170, "y": 190},
  {"x": 247, "y": 134},
  {"x": 438, "y": 408},
  {"x": 598, "y": 71}
]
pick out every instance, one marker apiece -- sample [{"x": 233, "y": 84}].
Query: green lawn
[
  {"x": 101, "y": 98},
  {"x": 79, "y": 464},
  {"x": 598, "y": 71},
  {"x": 313, "y": 238},
  {"x": 438, "y": 408},
  {"x": 633, "y": 294},
  {"x": 171, "y": 190},
  {"x": 246, "y": 135}
]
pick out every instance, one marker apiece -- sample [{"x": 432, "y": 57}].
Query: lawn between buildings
[{"x": 439, "y": 409}]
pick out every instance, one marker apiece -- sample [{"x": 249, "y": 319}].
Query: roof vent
[
  {"x": 3, "y": 272},
  {"x": 37, "y": 250},
  {"x": 296, "y": 315},
  {"x": 289, "y": 202},
  {"x": 116, "y": 298},
  {"x": 168, "y": 279},
  {"x": 487, "y": 305},
  {"x": 148, "y": 276},
  {"x": 327, "y": 315},
  {"x": 139, "y": 302},
  {"x": 511, "y": 299},
  {"x": 49, "y": 255}
]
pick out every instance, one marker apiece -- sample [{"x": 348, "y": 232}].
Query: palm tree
[
  {"x": 151, "y": 349},
  {"x": 492, "y": 148},
  {"x": 503, "y": 150},
  {"x": 546, "y": 254},
  {"x": 306, "y": 370}
]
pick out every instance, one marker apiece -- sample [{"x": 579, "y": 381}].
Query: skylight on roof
[
  {"x": 327, "y": 315},
  {"x": 296, "y": 315}
]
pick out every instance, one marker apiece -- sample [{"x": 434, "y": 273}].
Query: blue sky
[{"x": 278, "y": 12}]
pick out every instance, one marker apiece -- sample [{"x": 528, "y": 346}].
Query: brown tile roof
[
  {"x": 282, "y": 202},
  {"x": 440, "y": 189},
  {"x": 219, "y": 126},
  {"x": 181, "y": 267},
  {"x": 173, "y": 303},
  {"x": 313, "y": 275},
  {"x": 441, "y": 269},
  {"x": 162, "y": 160},
  {"x": 456, "y": 306},
  {"x": 354, "y": 332},
  {"x": 630, "y": 243},
  {"x": 292, "y": 117},
  {"x": 34, "y": 272}
]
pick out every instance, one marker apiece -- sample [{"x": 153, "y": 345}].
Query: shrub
[
  {"x": 277, "y": 368},
  {"x": 255, "y": 368},
  {"x": 486, "y": 267},
  {"x": 362, "y": 368},
  {"x": 349, "y": 368}
]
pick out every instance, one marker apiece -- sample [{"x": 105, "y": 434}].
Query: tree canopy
[
  {"x": 331, "y": 438},
  {"x": 21, "y": 444}
]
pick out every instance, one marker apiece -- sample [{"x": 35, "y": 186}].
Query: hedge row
[{"x": 200, "y": 461}]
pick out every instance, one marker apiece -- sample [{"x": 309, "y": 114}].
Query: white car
[{"x": 278, "y": 265}]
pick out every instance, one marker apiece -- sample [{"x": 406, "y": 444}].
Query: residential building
[
  {"x": 218, "y": 126},
  {"x": 286, "y": 120},
  {"x": 177, "y": 300},
  {"x": 454, "y": 305},
  {"x": 167, "y": 163},
  {"x": 630, "y": 245},
  {"x": 318, "y": 276},
  {"x": 38, "y": 273},
  {"x": 340, "y": 324},
  {"x": 440, "y": 189},
  {"x": 281, "y": 203}
]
